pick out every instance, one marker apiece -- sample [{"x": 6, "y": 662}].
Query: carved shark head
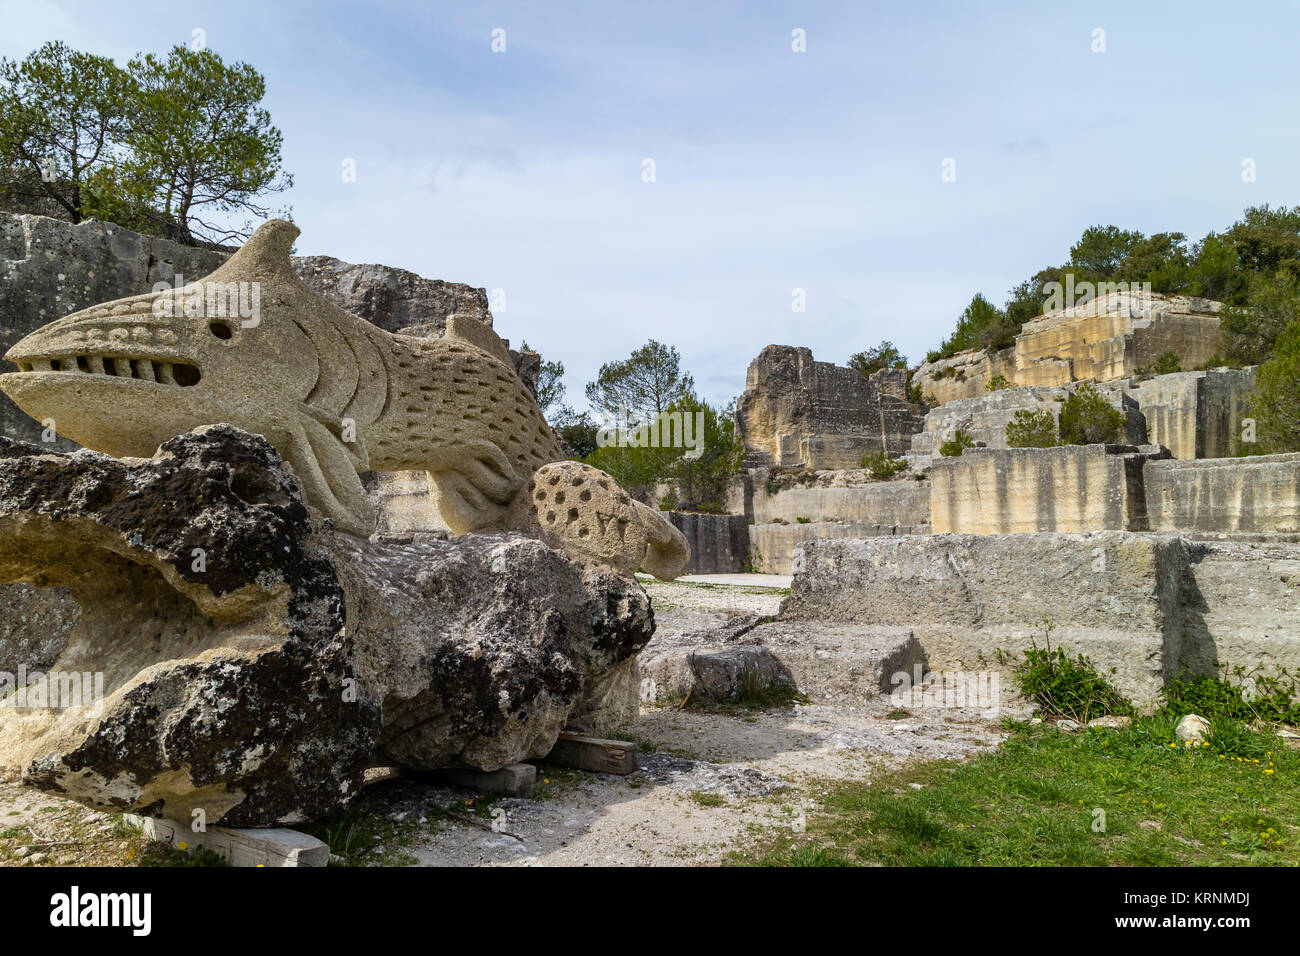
[{"x": 125, "y": 376}]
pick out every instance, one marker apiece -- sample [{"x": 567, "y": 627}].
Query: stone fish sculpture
[{"x": 336, "y": 396}]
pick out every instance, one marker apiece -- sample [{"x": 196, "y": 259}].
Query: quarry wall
[
  {"x": 1144, "y": 607},
  {"x": 1016, "y": 490}
]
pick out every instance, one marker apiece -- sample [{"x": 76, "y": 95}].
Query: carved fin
[
  {"x": 326, "y": 467},
  {"x": 474, "y": 486},
  {"x": 476, "y": 333}
]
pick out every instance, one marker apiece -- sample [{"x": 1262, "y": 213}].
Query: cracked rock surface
[{"x": 221, "y": 649}]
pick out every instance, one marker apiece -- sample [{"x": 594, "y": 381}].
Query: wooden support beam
[
  {"x": 515, "y": 780},
  {"x": 273, "y": 846},
  {"x": 594, "y": 754}
]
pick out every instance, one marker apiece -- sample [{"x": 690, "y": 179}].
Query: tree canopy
[
  {"x": 872, "y": 360},
  {"x": 176, "y": 145},
  {"x": 642, "y": 385},
  {"x": 1252, "y": 266}
]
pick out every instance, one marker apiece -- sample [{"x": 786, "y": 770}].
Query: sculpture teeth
[{"x": 180, "y": 374}]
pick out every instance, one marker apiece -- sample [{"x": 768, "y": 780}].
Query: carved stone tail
[{"x": 582, "y": 511}]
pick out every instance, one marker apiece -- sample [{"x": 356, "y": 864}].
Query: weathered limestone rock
[
  {"x": 252, "y": 661},
  {"x": 393, "y": 299},
  {"x": 1244, "y": 608},
  {"x": 1195, "y": 414},
  {"x": 1259, "y": 494},
  {"x": 336, "y": 396},
  {"x": 1192, "y": 729},
  {"x": 1116, "y": 334},
  {"x": 210, "y": 620},
  {"x": 773, "y": 546},
  {"x": 825, "y": 661},
  {"x": 985, "y": 418},
  {"x": 1112, "y": 595},
  {"x": 482, "y": 647},
  {"x": 719, "y": 543},
  {"x": 1143, "y": 607},
  {"x": 964, "y": 375},
  {"x": 798, "y": 412},
  {"x": 1111, "y": 336},
  {"x": 1067, "y": 488},
  {"x": 789, "y": 509}
]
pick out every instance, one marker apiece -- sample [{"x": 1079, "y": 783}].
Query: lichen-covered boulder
[{"x": 220, "y": 649}]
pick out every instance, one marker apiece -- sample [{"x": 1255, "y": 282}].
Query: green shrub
[
  {"x": 802, "y": 520},
  {"x": 1251, "y": 698},
  {"x": 997, "y": 383},
  {"x": 1088, "y": 419},
  {"x": 957, "y": 444},
  {"x": 1167, "y": 364},
  {"x": 1064, "y": 686},
  {"x": 1277, "y": 405},
  {"x": 1032, "y": 429},
  {"x": 882, "y": 467}
]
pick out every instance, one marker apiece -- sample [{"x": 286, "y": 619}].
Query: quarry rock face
[
  {"x": 222, "y": 650},
  {"x": 1114, "y": 596},
  {"x": 797, "y": 412},
  {"x": 1112, "y": 335},
  {"x": 1144, "y": 607},
  {"x": 1066, "y": 488}
]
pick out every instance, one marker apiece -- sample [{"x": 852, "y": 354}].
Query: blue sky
[{"x": 774, "y": 170}]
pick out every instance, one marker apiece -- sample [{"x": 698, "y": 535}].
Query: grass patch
[
  {"x": 708, "y": 799},
  {"x": 1129, "y": 797}
]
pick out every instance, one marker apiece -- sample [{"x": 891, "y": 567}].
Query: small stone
[
  {"x": 22, "y": 851},
  {"x": 1192, "y": 729},
  {"x": 1069, "y": 726},
  {"x": 1111, "y": 723},
  {"x": 38, "y": 857}
]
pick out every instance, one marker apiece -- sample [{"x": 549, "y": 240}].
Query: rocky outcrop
[
  {"x": 232, "y": 655},
  {"x": 393, "y": 299},
  {"x": 797, "y": 412},
  {"x": 1111, "y": 335}
]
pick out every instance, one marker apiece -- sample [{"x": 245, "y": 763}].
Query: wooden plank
[
  {"x": 594, "y": 754},
  {"x": 273, "y": 846},
  {"x": 515, "y": 780}
]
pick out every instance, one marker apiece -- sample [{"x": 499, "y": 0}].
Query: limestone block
[
  {"x": 719, "y": 543},
  {"x": 1195, "y": 414},
  {"x": 1113, "y": 595},
  {"x": 1068, "y": 488},
  {"x": 1258, "y": 494}
]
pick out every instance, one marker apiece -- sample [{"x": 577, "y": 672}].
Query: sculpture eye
[{"x": 220, "y": 330}]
